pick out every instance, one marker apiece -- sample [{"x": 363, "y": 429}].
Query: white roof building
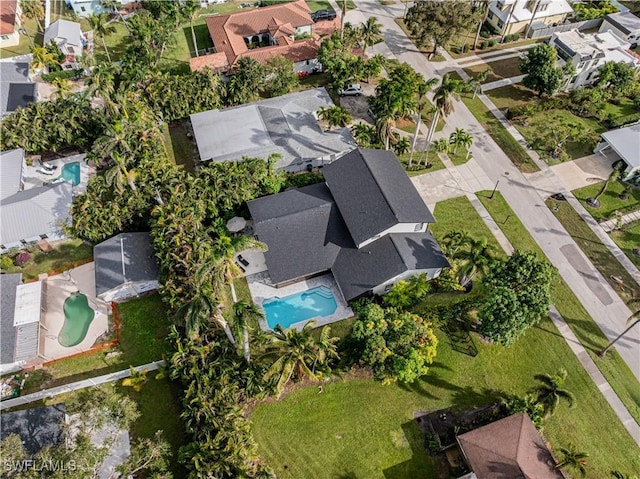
[
  {"x": 513, "y": 16},
  {"x": 626, "y": 25},
  {"x": 625, "y": 142}
]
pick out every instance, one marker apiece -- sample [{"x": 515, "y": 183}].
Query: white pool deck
[
  {"x": 33, "y": 178},
  {"x": 262, "y": 290}
]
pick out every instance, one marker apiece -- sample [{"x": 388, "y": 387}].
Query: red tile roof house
[
  {"x": 9, "y": 23},
  {"x": 263, "y": 33}
]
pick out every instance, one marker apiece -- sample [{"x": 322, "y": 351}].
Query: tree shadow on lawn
[{"x": 419, "y": 461}]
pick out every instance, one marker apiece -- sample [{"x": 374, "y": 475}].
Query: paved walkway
[
  {"x": 492, "y": 55},
  {"x": 610, "y": 225},
  {"x": 86, "y": 383},
  {"x": 487, "y": 61},
  {"x": 492, "y": 85}
]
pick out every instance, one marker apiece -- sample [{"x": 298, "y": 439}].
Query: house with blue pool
[{"x": 356, "y": 234}]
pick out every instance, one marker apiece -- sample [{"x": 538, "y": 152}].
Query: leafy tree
[
  {"x": 593, "y": 9},
  {"x": 526, "y": 404},
  {"x": 433, "y": 22},
  {"x": 280, "y": 76},
  {"x": 619, "y": 77},
  {"x": 539, "y": 66},
  {"x": 101, "y": 28},
  {"x": 519, "y": 296},
  {"x": 335, "y": 116},
  {"x": 294, "y": 354},
  {"x": 397, "y": 346},
  {"x": 246, "y": 82},
  {"x": 552, "y": 132},
  {"x": 339, "y": 62},
  {"x": 572, "y": 458},
  {"x": 41, "y": 58},
  {"x": 370, "y": 33},
  {"x": 551, "y": 390},
  {"x": 63, "y": 87},
  {"x": 150, "y": 456}
]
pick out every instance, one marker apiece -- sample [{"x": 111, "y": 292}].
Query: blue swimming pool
[
  {"x": 318, "y": 301},
  {"x": 71, "y": 172}
]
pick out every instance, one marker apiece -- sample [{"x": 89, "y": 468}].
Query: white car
[{"x": 350, "y": 90}]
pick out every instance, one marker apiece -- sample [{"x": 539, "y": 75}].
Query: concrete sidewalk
[
  {"x": 492, "y": 85},
  {"x": 67, "y": 388}
]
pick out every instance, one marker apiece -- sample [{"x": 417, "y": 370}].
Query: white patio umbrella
[{"x": 235, "y": 224}]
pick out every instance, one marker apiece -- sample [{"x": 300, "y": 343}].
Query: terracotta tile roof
[
  {"x": 216, "y": 61},
  {"x": 228, "y": 31},
  {"x": 296, "y": 52},
  {"x": 8, "y": 16},
  {"x": 508, "y": 448}
]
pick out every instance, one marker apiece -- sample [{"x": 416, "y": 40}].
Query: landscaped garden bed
[{"x": 611, "y": 201}]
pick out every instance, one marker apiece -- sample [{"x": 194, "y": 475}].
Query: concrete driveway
[{"x": 583, "y": 171}]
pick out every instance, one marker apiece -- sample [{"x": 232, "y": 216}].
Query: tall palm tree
[
  {"x": 33, "y": 10},
  {"x": 365, "y": 135},
  {"x": 423, "y": 102},
  {"x": 455, "y": 240},
  {"x": 614, "y": 175},
  {"x": 550, "y": 390},
  {"x": 449, "y": 90},
  {"x": 246, "y": 312},
  {"x": 101, "y": 28},
  {"x": 297, "y": 354},
  {"x": 475, "y": 83},
  {"x": 370, "y": 33},
  {"x": 613, "y": 341},
  {"x": 478, "y": 258},
  {"x": 335, "y": 116},
  {"x": 573, "y": 459},
  {"x": 102, "y": 81},
  {"x": 484, "y": 4},
  {"x": 63, "y": 87},
  {"x": 119, "y": 175}
]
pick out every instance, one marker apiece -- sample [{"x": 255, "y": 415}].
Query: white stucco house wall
[
  {"x": 625, "y": 142},
  {"x": 625, "y": 25}
]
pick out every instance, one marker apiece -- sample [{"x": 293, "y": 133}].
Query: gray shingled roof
[
  {"x": 357, "y": 271},
  {"x": 8, "y": 284},
  {"x": 127, "y": 257},
  {"x": 626, "y": 22},
  {"x": 37, "y": 427},
  {"x": 15, "y": 87},
  {"x": 373, "y": 193},
  {"x": 11, "y": 172},
  {"x": 36, "y": 211},
  {"x": 71, "y": 32},
  {"x": 285, "y": 125},
  {"x": 303, "y": 229}
]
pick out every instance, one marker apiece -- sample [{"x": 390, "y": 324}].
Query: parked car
[
  {"x": 323, "y": 15},
  {"x": 350, "y": 90}
]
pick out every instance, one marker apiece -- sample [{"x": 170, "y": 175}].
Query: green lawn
[
  {"x": 612, "y": 367},
  {"x": 358, "y": 428},
  {"x": 627, "y": 239},
  {"x": 599, "y": 254},
  {"x": 500, "y": 69},
  {"x": 436, "y": 162},
  {"x": 459, "y": 156},
  {"x": 179, "y": 147},
  {"x": 610, "y": 201},
  {"x": 316, "y": 5},
  {"x": 511, "y": 96},
  {"x": 65, "y": 255},
  {"x": 117, "y": 42},
  {"x": 500, "y": 135},
  {"x": 144, "y": 326},
  {"x": 160, "y": 408}
]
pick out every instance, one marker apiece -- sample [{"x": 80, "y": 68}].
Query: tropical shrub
[
  {"x": 398, "y": 346},
  {"x": 22, "y": 258},
  {"x": 526, "y": 404}
]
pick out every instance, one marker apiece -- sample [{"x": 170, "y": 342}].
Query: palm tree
[
  {"x": 41, "y": 58},
  {"x": 485, "y": 12},
  {"x": 384, "y": 128},
  {"x": 594, "y": 202},
  {"x": 460, "y": 137},
  {"x": 335, "y": 116},
  {"x": 475, "y": 83},
  {"x": 365, "y": 135},
  {"x": 422, "y": 90},
  {"x": 455, "y": 240},
  {"x": 370, "y": 33},
  {"x": 101, "y": 28},
  {"x": 246, "y": 312},
  {"x": 33, "y": 10},
  {"x": 613, "y": 341},
  {"x": 102, "y": 80},
  {"x": 420, "y": 285},
  {"x": 136, "y": 380},
  {"x": 573, "y": 459},
  {"x": 119, "y": 174},
  {"x": 296, "y": 354},
  {"x": 442, "y": 145},
  {"x": 449, "y": 90},
  {"x": 550, "y": 390},
  {"x": 478, "y": 258},
  {"x": 63, "y": 87}
]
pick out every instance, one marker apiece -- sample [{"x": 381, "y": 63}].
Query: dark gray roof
[
  {"x": 8, "y": 284},
  {"x": 127, "y": 257},
  {"x": 357, "y": 271},
  {"x": 373, "y": 193},
  {"x": 303, "y": 230},
  {"x": 15, "y": 87},
  {"x": 37, "y": 427},
  {"x": 626, "y": 22}
]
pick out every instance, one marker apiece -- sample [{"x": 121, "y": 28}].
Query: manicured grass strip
[
  {"x": 434, "y": 160},
  {"x": 627, "y": 240},
  {"x": 500, "y": 135},
  {"x": 511, "y": 96},
  {"x": 507, "y": 68},
  {"x": 613, "y": 367},
  {"x": 590, "y": 244},
  {"x": 610, "y": 201},
  {"x": 458, "y": 157}
]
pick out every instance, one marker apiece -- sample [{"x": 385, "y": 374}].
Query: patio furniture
[{"x": 243, "y": 261}]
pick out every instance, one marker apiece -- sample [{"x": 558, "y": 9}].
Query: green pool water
[{"x": 77, "y": 318}]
